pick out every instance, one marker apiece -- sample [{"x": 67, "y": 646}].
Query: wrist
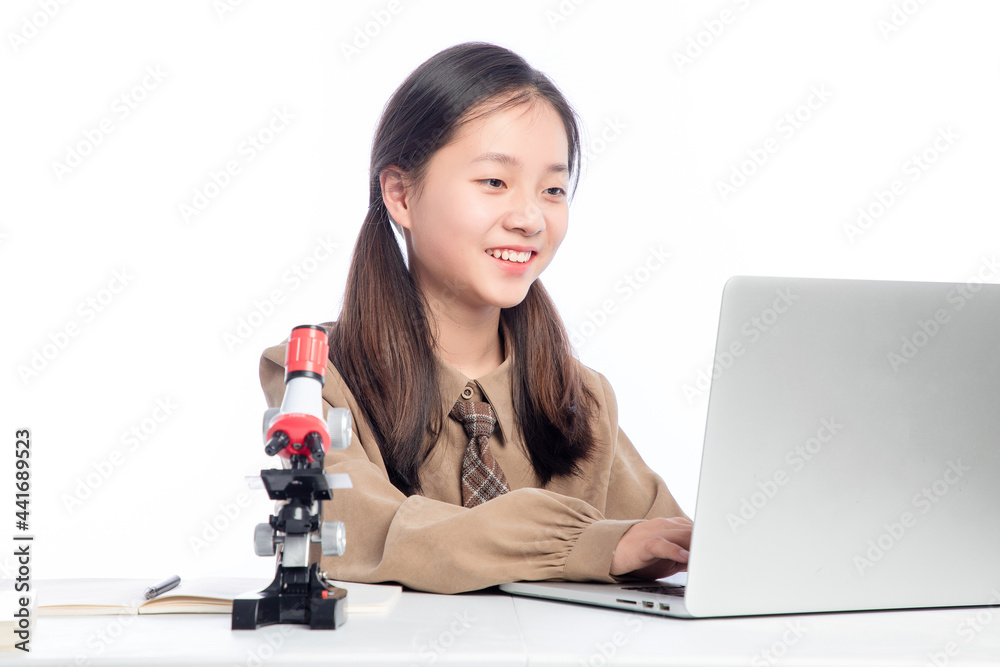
[{"x": 591, "y": 556}]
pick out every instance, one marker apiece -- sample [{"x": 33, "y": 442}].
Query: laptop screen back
[{"x": 852, "y": 449}]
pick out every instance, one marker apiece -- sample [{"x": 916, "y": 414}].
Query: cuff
[{"x": 590, "y": 558}]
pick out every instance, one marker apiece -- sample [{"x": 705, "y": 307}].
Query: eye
[
  {"x": 558, "y": 192},
  {"x": 493, "y": 183}
]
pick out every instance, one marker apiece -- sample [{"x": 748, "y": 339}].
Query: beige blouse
[{"x": 566, "y": 529}]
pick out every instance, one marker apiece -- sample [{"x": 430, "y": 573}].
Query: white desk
[
  {"x": 492, "y": 628},
  {"x": 576, "y": 635}
]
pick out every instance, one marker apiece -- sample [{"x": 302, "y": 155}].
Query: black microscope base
[{"x": 293, "y": 597}]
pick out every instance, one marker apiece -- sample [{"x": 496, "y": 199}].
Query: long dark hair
[{"x": 382, "y": 343}]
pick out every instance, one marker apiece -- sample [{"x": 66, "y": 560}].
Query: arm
[
  {"x": 527, "y": 534},
  {"x": 654, "y": 548},
  {"x": 658, "y": 546}
]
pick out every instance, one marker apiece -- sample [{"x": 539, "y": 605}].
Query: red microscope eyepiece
[{"x": 307, "y": 353}]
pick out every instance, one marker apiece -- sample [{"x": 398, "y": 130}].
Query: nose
[{"x": 525, "y": 217}]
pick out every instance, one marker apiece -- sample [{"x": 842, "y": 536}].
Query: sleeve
[
  {"x": 634, "y": 489},
  {"x": 426, "y": 544}
]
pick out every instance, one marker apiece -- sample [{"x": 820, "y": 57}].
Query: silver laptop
[{"x": 851, "y": 457}]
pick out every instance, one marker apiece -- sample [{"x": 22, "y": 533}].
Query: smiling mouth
[{"x": 517, "y": 257}]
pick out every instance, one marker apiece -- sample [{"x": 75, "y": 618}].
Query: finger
[
  {"x": 679, "y": 521},
  {"x": 679, "y": 535},
  {"x": 661, "y": 548}
]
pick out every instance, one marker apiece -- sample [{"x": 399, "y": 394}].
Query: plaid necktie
[{"x": 482, "y": 478}]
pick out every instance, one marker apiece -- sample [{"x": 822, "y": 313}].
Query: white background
[{"x": 662, "y": 132}]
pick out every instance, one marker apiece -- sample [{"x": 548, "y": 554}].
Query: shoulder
[
  {"x": 272, "y": 360},
  {"x": 336, "y": 394},
  {"x": 276, "y": 353},
  {"x": 595, "y": 381},
  {"x": 599, "y": 386},
  {"x": 272, "y": 375}
]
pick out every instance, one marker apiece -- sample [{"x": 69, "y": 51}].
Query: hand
[{"x": 653, "y": 549}]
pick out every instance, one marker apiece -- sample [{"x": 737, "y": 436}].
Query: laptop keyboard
[{"x": 661, "y": 589}]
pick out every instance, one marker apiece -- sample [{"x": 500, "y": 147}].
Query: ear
[{"x": 396, "y": 194}]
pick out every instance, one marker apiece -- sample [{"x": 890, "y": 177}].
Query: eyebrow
[{"x": 511, "y": 161}]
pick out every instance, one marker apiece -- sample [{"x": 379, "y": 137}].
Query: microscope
[{"x": 297, "y": 433}]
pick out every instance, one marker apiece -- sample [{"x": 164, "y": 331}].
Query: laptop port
[
  {"x": 647, "y": 604},
  {"x": 664, "y": 606},
  {"x": 626, "y": 601}
]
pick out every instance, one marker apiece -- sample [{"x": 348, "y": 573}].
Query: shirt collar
[{"x": 495, "y": 385}]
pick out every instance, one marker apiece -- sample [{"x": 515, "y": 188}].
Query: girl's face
[{"x": 492, "y": 210}]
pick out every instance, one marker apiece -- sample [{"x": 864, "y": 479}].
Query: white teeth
[{"x": 510, "y": 255}]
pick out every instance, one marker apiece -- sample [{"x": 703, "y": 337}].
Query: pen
[{"x": 162, "y": 587}]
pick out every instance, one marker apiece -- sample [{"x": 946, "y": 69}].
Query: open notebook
[{"x": 94, "y": 597}]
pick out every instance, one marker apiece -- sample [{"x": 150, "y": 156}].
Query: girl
[{"x": 483, "y": 451}]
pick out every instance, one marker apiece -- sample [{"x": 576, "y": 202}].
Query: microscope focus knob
[
  {"x": 263, "y": 540},
  {"x": 338, "y": 423},
  {"x": 334, "y": 538}
]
